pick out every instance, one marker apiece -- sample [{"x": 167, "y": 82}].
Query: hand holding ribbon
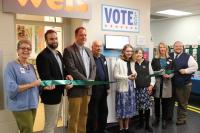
[
  {"x": 161, "y": 72},
  {"x": 69, "y": 86}
]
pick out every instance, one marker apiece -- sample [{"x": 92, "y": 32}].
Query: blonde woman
[
  {"x": 163, "y": 86},
  {"x": 124, "y": 72}
]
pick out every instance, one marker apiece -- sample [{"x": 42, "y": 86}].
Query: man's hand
[
  {"x": 69, "y": 77},
  {"x": 69, "y": 86},
  {"x": 182, "y": 71},
  {"x": 52, "y": 87}
]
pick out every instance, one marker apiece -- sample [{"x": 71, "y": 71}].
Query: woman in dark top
[
  {"x": 163, "y": 86},
  {"x": 144, "y": 85}
]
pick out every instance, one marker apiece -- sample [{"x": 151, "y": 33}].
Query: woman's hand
[
  {"x": 36, "y": 83},
  {"x": 165, "y": 76},
  {"x": 150, "y": 89},
  {"x": 132, "y": 77}
]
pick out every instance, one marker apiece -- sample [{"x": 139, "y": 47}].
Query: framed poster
[{"x": 120, "y": 19}]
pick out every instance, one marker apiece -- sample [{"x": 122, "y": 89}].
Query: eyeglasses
[{"x": 24, "y": 48}]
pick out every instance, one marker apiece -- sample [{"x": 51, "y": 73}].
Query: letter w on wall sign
[{"x": 36, "y": 3}]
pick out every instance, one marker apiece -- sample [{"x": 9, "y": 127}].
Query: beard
[{"x": 53, "y": 45}]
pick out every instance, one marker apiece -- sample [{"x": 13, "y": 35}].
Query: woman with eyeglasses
[
  {"x": 144, "y": 86},
  {"x": 21, "y": 85}
]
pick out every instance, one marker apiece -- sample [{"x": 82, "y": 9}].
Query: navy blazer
[
  {"x": 97, "y": 89},
  {"x": 105, "y": 69},
  {"x": 48, "y": 69}
]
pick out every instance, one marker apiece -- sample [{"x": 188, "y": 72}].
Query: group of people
[
  {"x": 167, "y": 78},
  {"x": 88, "y": 109},
  {"x": 134, "y": 88},
  {"x": 77, "y": 63}
]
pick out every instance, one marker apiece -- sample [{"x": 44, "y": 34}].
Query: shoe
[
  {"x": 128, "y": 131},
  {"x": 164, "y": 124},
  {"x": 156, "y": 122},
  {"x": 181, "y": 122},
  {"x": 140, "y": 125},
  {"x": 106, "y": 131},
  {"x": 122, "y": 131},
  {"x": 149, "y": 129}
]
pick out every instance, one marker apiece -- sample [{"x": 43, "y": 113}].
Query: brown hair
[
  {"x": 49, "y": 32},
  {"x": 79, "y": 28},
  {"x": 139, "y": 49},
  {"x": 26, "y": 41},
  {"x": 123, "y": 57}
]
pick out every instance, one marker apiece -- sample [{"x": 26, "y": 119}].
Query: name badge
[
  {"x": 105, "y": 63},
  {"x": 22, "y": 70}
]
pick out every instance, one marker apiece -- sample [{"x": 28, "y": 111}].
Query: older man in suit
[
  {"x": 50, "y": 67},
  {"x": 81, "y": 65}
]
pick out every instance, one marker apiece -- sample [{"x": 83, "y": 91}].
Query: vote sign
[{"x": 120, "y": 19}]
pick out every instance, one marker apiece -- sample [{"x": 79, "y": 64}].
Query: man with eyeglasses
[
  {"x": 50, "y": 67},
  {"x": 98, "y": 107}
]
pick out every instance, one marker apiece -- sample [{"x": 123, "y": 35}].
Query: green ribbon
[
  {"x": 160, "y": 73},
  {"x": 74, "y": 82}
]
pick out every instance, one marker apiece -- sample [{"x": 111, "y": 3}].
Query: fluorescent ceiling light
[{"x": 174, "y": 12}]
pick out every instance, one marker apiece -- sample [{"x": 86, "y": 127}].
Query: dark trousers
[
  {"x": 165, "y": 107},
  {"x": 172, "y": 104},
  {"x": 183, "y": 94},
  {"x": 146, "y": 115},
  {"x": 97, "y": 112}
]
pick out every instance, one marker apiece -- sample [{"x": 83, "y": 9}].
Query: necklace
[{"x": 25, "y": 66}]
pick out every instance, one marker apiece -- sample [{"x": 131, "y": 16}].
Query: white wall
[
  {"x": 94, "y": 31},
  {"x": 184, "y": 29},
  {"x": 8, "y": 47},
  {"x": 93, "y": 26}
]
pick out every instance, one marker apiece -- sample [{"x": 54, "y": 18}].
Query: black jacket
[{"x": 48, "y": 69}]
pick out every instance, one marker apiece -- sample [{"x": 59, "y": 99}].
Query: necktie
[{"x": 176, "y": 56}]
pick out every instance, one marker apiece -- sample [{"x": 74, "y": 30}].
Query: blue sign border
[{"x": 119, "y": 30}]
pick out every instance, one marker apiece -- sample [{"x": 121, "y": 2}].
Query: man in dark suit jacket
[
  {"x": 98, "y": 107},
  {"x": 81, "y": 65},
  {"x": 50, "y": 67}
]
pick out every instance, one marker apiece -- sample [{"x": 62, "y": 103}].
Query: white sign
[{"x": 120, "y": 19}]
